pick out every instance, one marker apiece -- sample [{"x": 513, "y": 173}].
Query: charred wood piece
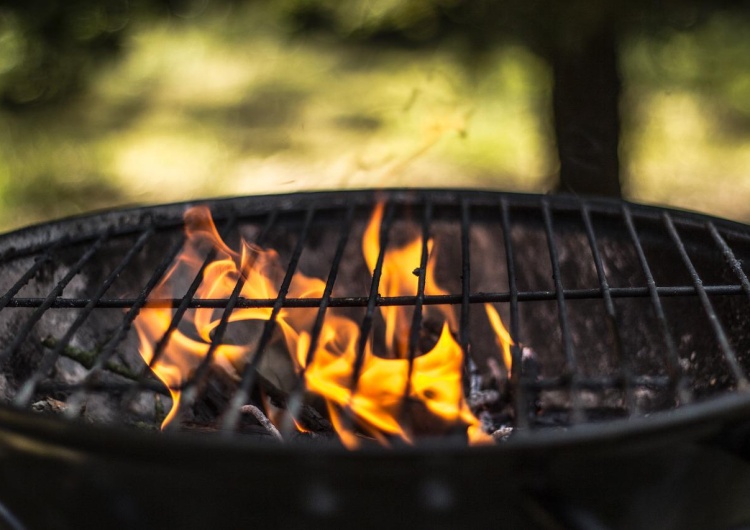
[{"x": 263, "y": 420}]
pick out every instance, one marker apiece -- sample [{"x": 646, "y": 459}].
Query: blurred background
[{"x": 116, "y": 102}]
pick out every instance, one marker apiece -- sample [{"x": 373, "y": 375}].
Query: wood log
[{"x": 217, "y": 389}]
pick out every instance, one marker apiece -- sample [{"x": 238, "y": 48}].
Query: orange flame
[
  {"x": 501, "y": 335},
  {"x": 398, "y": 280},
  {"x": 375, "y": 405}
]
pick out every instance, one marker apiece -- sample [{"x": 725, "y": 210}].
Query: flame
[
  {"x": 374, "y": 404},
  {"x": 184, "y": 352},
  {"x": 501, "y": 335},
  {"x": 399, "y": 279}
]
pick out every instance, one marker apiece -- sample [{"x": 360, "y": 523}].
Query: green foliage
[
  {"x": 106, "y": 102},
  {"x": 49, "y": 48}
]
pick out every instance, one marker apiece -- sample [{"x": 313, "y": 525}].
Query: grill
[{"x": 630, "y": 359}]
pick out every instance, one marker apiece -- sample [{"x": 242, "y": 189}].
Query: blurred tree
[
  {"x": 50, "y": 48},
  {"x": 578, "y": 38}
]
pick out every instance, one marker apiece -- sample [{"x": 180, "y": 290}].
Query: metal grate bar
[
  {"x": 294, "y": 402},
  {"x": 416, "y": 321},
  {"x": 22, "y": 333},
  {"x": 7, "y": 298},
  {"x": 250, "y": 371},
  {"x": 567, "y": 343},
  {"x": 366, "y": 327},
  {"x": 729, "y": 354},
  {"x": 672, "y": 359},
  {"x": 521, "y": 399},
  {"x": 609, "y": 307},
  {"x": 733, "y": 262},
  {"x": 190, "y": 387},
  {"x": 145, "y": 371},
  {"x": 471, "y": 372},
  {"x": 362, "y": 301},
  {"x": 26, "y": 392},
  {"x": 333, "y": 272},
  {"x": 75, "y": 401},
  {"x": 185, "y": 301},
  {"x": 373, "y": 297}
]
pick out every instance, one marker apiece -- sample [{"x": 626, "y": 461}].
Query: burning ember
[{"x": 372, "y": 402}]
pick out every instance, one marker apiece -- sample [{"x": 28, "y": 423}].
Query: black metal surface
[
  {"x": 626, "y": 359},
  {"x": 642, "y": 479},
  {"x": 727, "y": 350}
]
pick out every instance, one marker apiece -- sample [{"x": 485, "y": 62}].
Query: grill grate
[{"x": 644, "y": 355}]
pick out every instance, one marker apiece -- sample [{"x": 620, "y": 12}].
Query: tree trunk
[{"x": 585, "y": 105}]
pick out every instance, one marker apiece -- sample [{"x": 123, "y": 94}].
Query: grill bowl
[{"x": 648, "y": 417}]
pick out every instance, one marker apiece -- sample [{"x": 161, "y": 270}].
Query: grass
[{"x": 686, "y": 139}]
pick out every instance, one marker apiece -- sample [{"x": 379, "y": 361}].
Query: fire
[
  {"x": 374, "y": 404},
  {"x": 501, "y": 335},
  {"x": 398, "y": 279}
]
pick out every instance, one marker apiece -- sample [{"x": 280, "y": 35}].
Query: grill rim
[
  {"x": 170, "y": 216},
  {"x": 76, "y": 439}
]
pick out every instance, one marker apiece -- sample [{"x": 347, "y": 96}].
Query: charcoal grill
[{"x": 629, "y": 407}]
